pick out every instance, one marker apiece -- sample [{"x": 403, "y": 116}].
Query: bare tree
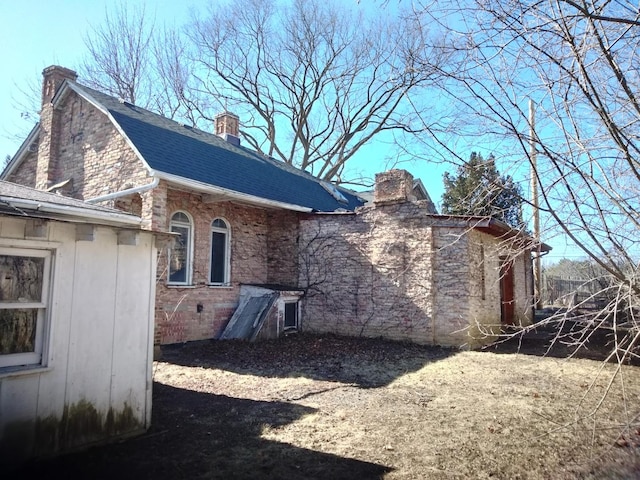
[
  {"x": 578, "y": 61},
  {"x": 316, "y": 81},
  {"x": 119, "y": 55}
]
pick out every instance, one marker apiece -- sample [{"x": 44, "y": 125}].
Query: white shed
[{"x": 77, "y": 288}]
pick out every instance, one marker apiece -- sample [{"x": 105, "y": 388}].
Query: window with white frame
[
  {"x": 180, "y": 255},
  {"x": 24, "y": 305},
  {"x": 219, "y": 271}
]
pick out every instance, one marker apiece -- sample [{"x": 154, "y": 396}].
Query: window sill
[
  {"x": 220, "y": 285},
  {"x": 177, "y": 285},
  {"x": 6, "y": 372}
]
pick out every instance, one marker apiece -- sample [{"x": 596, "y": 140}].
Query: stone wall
[
  {"x": 484, "y": 299},
  {"x": 523, "y": 273},
  {"x": 394, "y": 270},
  {"x": 77, "y": 142},
  {"x": 368, "y": 273},
  {"x": 283, "y": 235},
  {"x": 25, "y": 173}
]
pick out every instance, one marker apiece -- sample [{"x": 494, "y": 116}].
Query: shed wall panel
[
  {"x": 91, "y": 339},
  {"x": 131, "y": 325}
]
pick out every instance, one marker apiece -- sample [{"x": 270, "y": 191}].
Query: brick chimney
[
  {"x": 53, "y": 77},
  {"x": 393, "y": 186},
  {"x": 227, "y": 126},
  {"x": 49, "y": 137}
]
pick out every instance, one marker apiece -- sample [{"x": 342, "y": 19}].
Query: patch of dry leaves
[{"x": 431, "y": 413}]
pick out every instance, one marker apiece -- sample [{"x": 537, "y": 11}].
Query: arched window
[
  {"x": 219, "y": 272},
  {"x": 181, "y": 254}
]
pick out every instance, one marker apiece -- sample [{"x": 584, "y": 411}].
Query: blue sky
[{"x": 37, "y": 33}]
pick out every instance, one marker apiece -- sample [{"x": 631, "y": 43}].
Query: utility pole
[{"x": 537, "y": 271}]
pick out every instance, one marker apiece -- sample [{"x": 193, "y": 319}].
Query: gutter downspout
[{"x": 124, "y": 193}]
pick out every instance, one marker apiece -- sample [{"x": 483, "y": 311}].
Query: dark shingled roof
[{"x": 172, "y": 148}]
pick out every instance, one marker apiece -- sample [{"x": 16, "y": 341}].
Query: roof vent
[{"x": 232, "y": 139}]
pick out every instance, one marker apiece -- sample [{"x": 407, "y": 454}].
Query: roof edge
[
  {"x": 73, "y": 213},
  {"x": 22, "y": 151},
  {"x": 232, "y": 194}
]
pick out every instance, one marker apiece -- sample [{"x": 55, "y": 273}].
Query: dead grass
[{"x": 330, "y": 407}]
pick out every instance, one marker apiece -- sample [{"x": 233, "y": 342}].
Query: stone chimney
[
  {"x": 49, "y": 136},
  {"x": 227, "y": 126},
  {"x": 393, "y": 186}
]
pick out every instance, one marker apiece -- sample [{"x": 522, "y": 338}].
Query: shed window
[
  {"x": 219, "y": 271},
  {"x": 24, "y": 307},
  {"x": 180, "y": 256}
]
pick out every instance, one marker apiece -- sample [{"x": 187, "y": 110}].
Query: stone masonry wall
[
  {"x": 484, "y": 300},
  {"x": 395, "y": 271},
  {"x": 368, "y": 274},
  {"x": 452, "y": 285},
  {"x": 523, "y": 291},
  {"x": 25, "y": 174},
  {"x": 78, "y": 142},
  {"x": 93, "y": 153},
  {"x": 282, "y": 247}
]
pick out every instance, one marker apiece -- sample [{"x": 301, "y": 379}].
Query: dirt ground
[{"x": 330, "y": 407}]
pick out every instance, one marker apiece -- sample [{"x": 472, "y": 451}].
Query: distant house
[
  {"x": 77, "y": 286},
  {"x": 254, "y": 233}
]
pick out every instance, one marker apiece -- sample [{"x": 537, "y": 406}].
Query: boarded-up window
[{"x": 24, "y": 276}]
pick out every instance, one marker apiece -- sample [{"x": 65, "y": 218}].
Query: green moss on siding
[{"x": 81, "y": 424}]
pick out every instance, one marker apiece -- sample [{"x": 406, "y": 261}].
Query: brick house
[{"x": 252, "y": 232}]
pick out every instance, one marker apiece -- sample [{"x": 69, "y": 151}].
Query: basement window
[
  {"x": 24, "y": 305},
  {"x": 290, "y": 316}
]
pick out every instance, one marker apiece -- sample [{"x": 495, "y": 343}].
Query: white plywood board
[
  {"x": 131, "y": 330},
  {"x": 91, "y": 335},
  {"x": 53, "y": 382}
]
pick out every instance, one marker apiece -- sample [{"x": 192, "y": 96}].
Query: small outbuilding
[{"x": 77, "y": 287}]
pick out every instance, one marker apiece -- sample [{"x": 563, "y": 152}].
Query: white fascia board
[
  {"x": 231, "y": 194},
  {"x": 74, "y": 213}
]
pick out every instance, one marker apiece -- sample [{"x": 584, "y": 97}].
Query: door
[{"x": 507, "y": 301}]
